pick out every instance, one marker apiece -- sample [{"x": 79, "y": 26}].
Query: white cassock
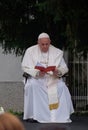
[{"x": 39, "y": 92}]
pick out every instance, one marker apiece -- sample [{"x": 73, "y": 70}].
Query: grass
[
  {"x": 76, "y": 113},
  {"x": 81, "y": 113},
  {"x": 17, "y": 113}
]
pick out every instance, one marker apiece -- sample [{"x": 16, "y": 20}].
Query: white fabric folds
[
  {"x": 36, "y": 103},
  {"x": 46, "y": 99}
]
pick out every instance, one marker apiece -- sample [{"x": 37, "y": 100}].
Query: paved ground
[
  {"x": 78, "y": 123},
  {"x": 11, "y": 96}
]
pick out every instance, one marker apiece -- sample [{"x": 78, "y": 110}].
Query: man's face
[{"x": 44, "y": 44}]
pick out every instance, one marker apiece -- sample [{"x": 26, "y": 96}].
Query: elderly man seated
[{"x": 46, "y": 96}]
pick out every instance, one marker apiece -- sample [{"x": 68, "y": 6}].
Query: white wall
[{"x": 10, "y": 67}]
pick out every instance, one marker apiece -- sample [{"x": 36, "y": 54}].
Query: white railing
[{"x": 78, "y": 81}]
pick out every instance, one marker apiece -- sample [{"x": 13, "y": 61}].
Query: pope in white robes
[{"x": 46, "y": 96}]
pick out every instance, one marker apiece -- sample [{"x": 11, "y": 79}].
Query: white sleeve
[
  {"x": 27, "y": 64},
  {"x": 62, "y": 69}
]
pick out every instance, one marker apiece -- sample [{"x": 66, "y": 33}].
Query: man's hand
[
  {"x": 57, "y": 73},
  {"x": 41, "y": 73}
]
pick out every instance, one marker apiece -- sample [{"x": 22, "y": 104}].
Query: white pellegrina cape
[{"x": 41, "y": 93}]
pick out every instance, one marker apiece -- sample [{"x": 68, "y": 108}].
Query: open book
[{"x": 49, "y": 68}]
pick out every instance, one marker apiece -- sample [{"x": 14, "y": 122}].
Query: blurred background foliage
[{"x": 21, "y": 21}]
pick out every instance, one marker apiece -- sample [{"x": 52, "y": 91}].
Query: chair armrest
[{"x": 26, "y": 75}]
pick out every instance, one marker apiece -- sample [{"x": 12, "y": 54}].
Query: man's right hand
[{"x": 41, "y": 73}]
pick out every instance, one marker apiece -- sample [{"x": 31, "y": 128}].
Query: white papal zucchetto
[{"x": 43, "y": 35}]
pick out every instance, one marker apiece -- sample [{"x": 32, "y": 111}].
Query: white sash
[{"x": 52, "y": 93}]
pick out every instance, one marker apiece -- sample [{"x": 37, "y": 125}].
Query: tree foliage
[
  {"x": 72, "y": 17},
  {"x": 22, "y": 20}
]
